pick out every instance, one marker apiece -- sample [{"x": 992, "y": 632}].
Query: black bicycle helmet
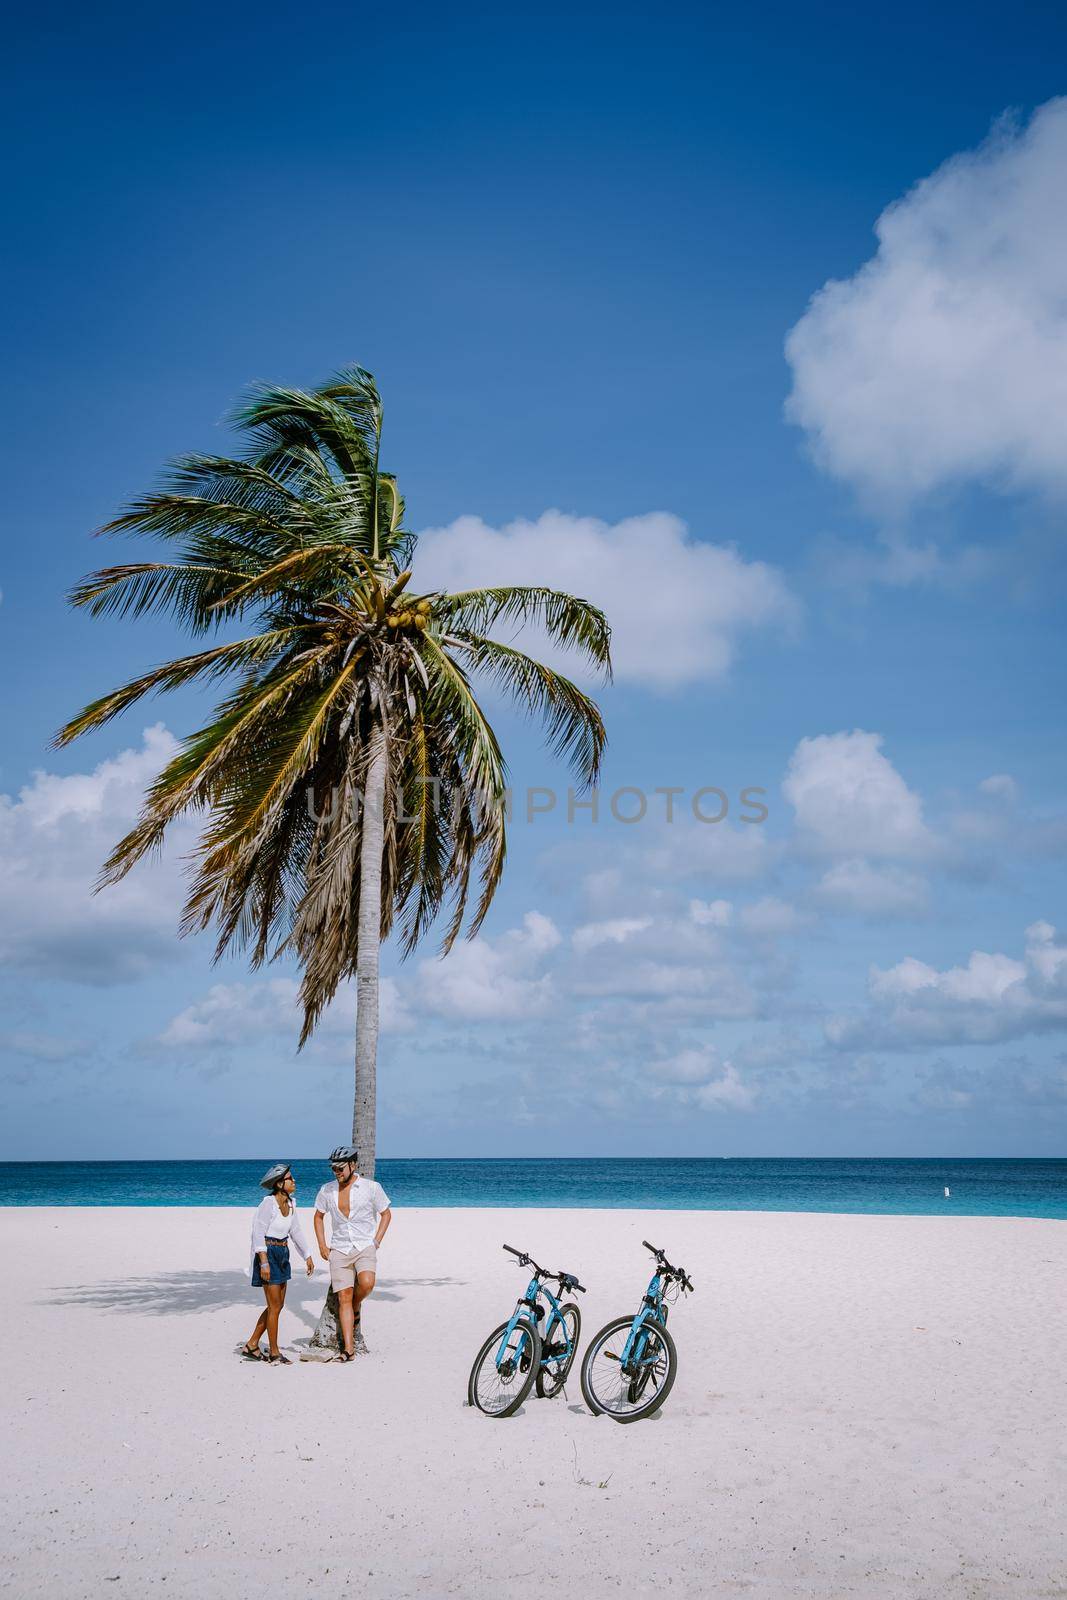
[{"x": 344, "y": 1152}]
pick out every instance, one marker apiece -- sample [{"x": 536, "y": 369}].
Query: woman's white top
[{"x": 268, "y": 1223}]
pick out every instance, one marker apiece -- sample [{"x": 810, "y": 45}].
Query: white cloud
[
  {"x": 711, "y": 913},
  {"x": 615, "y": 931},
  {"x": 54, "y": 838},
  {"x": 688, "y": 1066},
  {"x": 770, "y": 917},
  {"x": 851, "y": 801},
  {"x": 716, "y": 850},
  {"x": 1001, "y": 786},
  {"x": 856, "y": 887},
  {"x": 993, "y": 998},
  {"x": 492, "y": 980},
  {"x": 48, "y": 1047},
  {"x": 944, "y": 1087},
  {"x": 675, "y": 965},
  {"x": 697, "y": 1077},
  {"x": 677, "y": 605},
  {"x": 728, "y": 1090},
  {"x": 232, "y": 1015},
  {"x": 943, "y": 360}
]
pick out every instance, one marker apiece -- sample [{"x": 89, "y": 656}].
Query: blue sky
[{"x": 580, "y": 253}]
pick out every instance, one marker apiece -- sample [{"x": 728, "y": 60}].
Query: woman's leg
[
  {"x": 275, "y": 1293},
  {"x": 261, "y": 1325}
]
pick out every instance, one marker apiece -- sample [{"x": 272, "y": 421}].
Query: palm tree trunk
[
  {"x": 368, "y": 942},
  {"x": 327, "y": 1335}
]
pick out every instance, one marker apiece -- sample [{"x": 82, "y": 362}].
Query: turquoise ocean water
[{"x": 990, "y": 1187}]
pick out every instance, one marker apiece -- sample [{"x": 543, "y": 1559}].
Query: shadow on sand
[{"x": 166, "y": 1293}]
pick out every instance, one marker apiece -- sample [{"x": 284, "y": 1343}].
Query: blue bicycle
[
  {"x": 630, "y": 1367},
  {"x": 530, "y": 1348}
]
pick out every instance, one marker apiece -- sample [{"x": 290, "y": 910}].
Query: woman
[{"x": 274, "y": 1222}]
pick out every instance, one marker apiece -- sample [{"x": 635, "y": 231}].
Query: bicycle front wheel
[
  {"x": 503, "y": 1374},
  {"x": 638, "y": 1388},
  {"x": 554, "y": 1370}
]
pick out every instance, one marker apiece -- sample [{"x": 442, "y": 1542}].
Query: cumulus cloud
[
  {"x": 994, "y": 997},
  {"x": 711, "y": 913},
  {"x": 943, "y": 360},
  {"x": 672, "y": 963},
  {"x": 858, "y": 888},
  {"x": 1001, "y": 787},
  {"x": 771, "y": 917},
  {"x": 851, "y": 801},
  {"x": 233, "y": 1015},
  {"x": 492, "y": 979},
  {"x": 615, "y": 931},
  {"x": 719, "y": 851},
  {"x": 697, "y": 1077},
  {"x": 677, "y": 605},
  {"x": 944, "y": 1086},
  {"x": 54, "y": 838},
  {"x": 46, "y": 1047}
]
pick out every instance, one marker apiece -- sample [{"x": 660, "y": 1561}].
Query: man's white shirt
[{"x": 366, "y": 1202}]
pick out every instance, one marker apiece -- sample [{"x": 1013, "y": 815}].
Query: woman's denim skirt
[{"x": 278, "y": 1260}]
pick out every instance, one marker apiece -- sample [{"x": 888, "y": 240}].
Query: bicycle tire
[
  {"x": 597, "y": 1407},
  {"x": 550, "y": 1381},
  {"x": 523, "y": 1379}
]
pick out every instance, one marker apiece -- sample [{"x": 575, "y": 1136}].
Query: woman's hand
[
  {"x": 264, "y": 1269},
  {"x": 310, "y": 1266}
]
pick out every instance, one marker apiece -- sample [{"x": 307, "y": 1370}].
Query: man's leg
[
  {"x": 347, "y": 1315},
  {"x": 364, "y": 1285}
]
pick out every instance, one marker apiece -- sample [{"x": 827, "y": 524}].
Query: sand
[{"x": 865, "y": 1406}]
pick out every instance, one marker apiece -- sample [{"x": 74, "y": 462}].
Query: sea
[{"x": 987, "y": 1187}]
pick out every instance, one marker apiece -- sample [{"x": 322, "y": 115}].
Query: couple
[{"x": 359, "y": 1213}]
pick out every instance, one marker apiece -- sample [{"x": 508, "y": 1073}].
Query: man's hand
[
  {"x": 324, "y": 1253},
  {"x": 310, "y": 1266}
]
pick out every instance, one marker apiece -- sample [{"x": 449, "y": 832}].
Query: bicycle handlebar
[
  {"x": 676, "y": 1272},
  {"x": 565, "y": 1278}
]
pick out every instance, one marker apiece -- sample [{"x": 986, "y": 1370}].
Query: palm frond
[
  {"x": 573, "y": 623},
  {"x": 217, "y": 663},
  {"x": 574, "y": 727}
]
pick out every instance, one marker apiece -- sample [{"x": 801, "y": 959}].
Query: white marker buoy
[{"x": 947, "y": 1191}]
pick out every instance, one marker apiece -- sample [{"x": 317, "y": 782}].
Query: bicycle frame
[
  {"x": 652, "y": 1310},
  {"x": 528, "y": 1306}
]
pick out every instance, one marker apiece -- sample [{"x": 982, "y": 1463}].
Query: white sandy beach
[{"x": 865, "y": 1406}]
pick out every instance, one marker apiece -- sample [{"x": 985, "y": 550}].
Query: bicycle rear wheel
[
  {"x": 501, "y": 1380},
  {"x": 553, "y": 1371},
  {"x": 637, "y": 1389}
]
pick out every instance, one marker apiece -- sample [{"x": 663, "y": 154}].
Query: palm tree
[{"x": 349, "y": 778}]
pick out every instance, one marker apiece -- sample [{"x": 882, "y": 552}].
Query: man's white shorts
[{"x": 345, "y": 1264}]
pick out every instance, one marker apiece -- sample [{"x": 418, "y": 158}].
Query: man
[{"x": 358, "y": 1209}]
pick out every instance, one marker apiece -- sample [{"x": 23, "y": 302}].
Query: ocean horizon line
[
  {"x": 541, "y": 1155},
  {"x": 1031, "y": 1186}
]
